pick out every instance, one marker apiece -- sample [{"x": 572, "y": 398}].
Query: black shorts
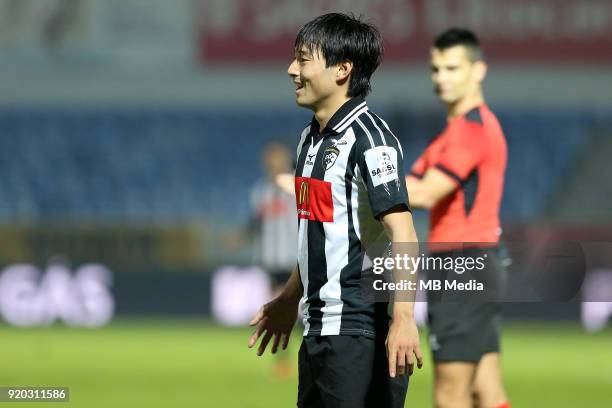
[
  {"x": 463, "y": 326},
  {"x": 347, "y": 371}
]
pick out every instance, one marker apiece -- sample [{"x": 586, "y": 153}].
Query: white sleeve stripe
[
  {"x": 392, "y": 134},
  {"x": 366, "y": 131},
  {"x": 377, "y": 127}
]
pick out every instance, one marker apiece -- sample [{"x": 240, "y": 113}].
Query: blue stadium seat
[{"x": 177, "y": 164}]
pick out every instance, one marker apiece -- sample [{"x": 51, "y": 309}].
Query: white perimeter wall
[{"x": 231, "y": 86}]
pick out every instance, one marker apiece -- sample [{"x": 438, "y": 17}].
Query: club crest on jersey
[{"x": 329, "y": 157}]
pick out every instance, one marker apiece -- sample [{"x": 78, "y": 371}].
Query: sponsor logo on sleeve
[{"x": 382, "y": 164}]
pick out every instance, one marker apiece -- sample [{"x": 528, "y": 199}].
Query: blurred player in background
[
  {"x": 274, "y": 227},
  {"x": 274, "y": 219},
  {"x": 349, "y": 187},
  {"x": 460, "y": 179}
]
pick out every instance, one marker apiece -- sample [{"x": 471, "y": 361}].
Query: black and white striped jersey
[
  {"x": 274, "y": 215},
  {"x": 345, "y": 178}
]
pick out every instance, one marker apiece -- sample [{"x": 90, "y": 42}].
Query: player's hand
[
  {"x": 275, "y": 321},
  {"x": 286, "y": 181},
  {"x": 403, "y": 344}
]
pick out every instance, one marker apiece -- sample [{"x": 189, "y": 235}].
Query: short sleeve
[
  {"x": 382, "y": 168},
  {"x": 463, "y": 151}
]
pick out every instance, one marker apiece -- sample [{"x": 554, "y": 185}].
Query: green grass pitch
[{"x": 191, "y": 363}]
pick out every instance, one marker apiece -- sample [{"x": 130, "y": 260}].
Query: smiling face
[
  {"x": 314, "y": 82},
  {"x": 455, "y": 76}
]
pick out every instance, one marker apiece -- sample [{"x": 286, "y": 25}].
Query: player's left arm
[{"x": 403, "y": 342}]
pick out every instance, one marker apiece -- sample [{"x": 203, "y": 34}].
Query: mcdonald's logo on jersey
[
  {"x": 302, "y": 196},
  {"x": 314, "y": 199}
]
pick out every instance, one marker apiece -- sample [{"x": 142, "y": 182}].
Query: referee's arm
[{"x": 427, "y": 191}]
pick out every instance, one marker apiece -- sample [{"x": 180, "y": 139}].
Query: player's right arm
[{"x": 276, "y": 319}]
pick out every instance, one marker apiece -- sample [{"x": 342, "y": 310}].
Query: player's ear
[
  {"x": 480, "y": 71},
  {"x": 343, "y": 70}
]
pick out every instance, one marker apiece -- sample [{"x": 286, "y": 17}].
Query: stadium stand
[{"x": 156, "y": 165}]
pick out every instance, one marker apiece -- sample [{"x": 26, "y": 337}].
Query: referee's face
[
  {"x": 314, "y": 82},
  {"x": 453, "y": 74}
]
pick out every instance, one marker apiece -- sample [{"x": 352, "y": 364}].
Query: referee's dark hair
[
  {"x": 463, "y": 37},
  {"x": 342, "y": 37}
]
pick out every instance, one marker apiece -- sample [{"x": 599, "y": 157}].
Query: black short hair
[
  {"x": 463, "y": 37},
  {"x": 342, "y": 37}
]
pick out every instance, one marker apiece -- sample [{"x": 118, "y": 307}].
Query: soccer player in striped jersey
[
  {"x": 460, "y": 179},
  {"x": 350, "y": 191}
]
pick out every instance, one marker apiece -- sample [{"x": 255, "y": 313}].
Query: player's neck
[
  {"x": 327, "y": 109},
  {"x": 464, "y": 105}
]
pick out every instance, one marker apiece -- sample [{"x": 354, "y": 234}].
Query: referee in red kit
[{"x": 460, "y": 179}]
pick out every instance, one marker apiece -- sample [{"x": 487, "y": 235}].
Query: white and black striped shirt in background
[
  {"x": 276, "y": 228},
  {"x": 345, "y": 178}
]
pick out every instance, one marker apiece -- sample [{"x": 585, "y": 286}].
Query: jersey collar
[{"x": 343, "y": 117}]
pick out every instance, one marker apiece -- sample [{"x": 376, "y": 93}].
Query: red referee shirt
[{"x": 472, "y": 151}]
